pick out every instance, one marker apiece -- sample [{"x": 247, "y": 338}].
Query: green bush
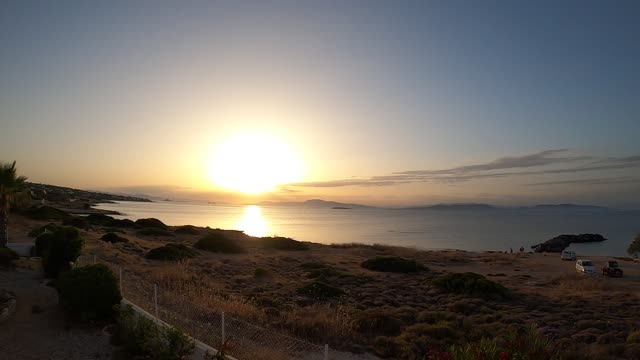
[
  {"x": 41, "y": 229},
  {"x": 470, "y": 284},
  {"x": 283, "y": 243},
  {"x": 526, "y": 344},
  {"x": 45, "y": 213},
  {"x": 393, "y": 264},
  {"x": 154, "y": 232},
  {"x": 89, "y": 293},
  {"x": 151, "y": 223},
  {"x": 77, "y": 222},
  {"x": 121, "y": 223},
  {"x": 7, "y": 256},
  {"x": 171, "y": 252},
  {"x": 59, "y": 249},
  {"x": 113, "y": 238},
  {"x": 99, "y": 219},
  {"x": 320, "y": 290},
  {"x": 217, "y": 241},
  {"x": 187, "y": 229},
  {"x": 261, "y": 273},
  {"x": 634, "y": 337},
  {"x": 142, "y": 338}
]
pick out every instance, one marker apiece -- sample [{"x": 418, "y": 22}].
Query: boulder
[{"x": 559, "y": 243}]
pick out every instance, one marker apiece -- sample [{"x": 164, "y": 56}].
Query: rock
[{"x": 559, "y": 243}]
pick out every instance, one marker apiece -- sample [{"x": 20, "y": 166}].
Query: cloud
[
  {"x": 488, "y": 170},
  {"x": 510, "y": 162},
  {"x": 599, "y": 181}
]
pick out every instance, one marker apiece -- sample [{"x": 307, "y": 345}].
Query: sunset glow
[{"x": 253, "y": 164}]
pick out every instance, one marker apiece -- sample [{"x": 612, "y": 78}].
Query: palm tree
[{"x": 11, "y": 186}]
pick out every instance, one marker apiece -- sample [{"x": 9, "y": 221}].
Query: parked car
[
  {"x": 568, "y": 255},
  {"x": 612, "y": 269},
  {"x": 585, "y": 266}
]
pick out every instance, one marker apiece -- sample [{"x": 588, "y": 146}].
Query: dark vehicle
[{"x": 612, "y": 269}]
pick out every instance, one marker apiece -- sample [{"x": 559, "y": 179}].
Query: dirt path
[{"x": 35, "y": 335}]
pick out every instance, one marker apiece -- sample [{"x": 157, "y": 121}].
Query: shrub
[
  {"x": 218, "y": 242},
  {"x": 634, "y": 337},
  {"x": 470, "y": 284},
  {"x": 154, "y": 232},
  {"x": 528, "y": 344},
  {"x": 59, "y": 249},
  {"x": 187, "y": 229},
  {"x": 7, "y": 256},
  {"x": 99, "y": 219},
  {"x": 634, "y": 247},
  {"x": 171, "y": 252},
  {"x": 142, "y": 338},
  {"x": 393, "y": 264},
  {"x": 89, "y": 293},
  {"x": 77, "y": 222},
  {"x": 283, "y": 243},
  {"x": 121, "y": 223},
  {"x": 113, "y": 238},
  {"x": 44, "y": 228},
  {"x": 45, "y": 213},
  {"x": 151, "y": 223},
  {"x": 261, "y": 273},
  {"x": 320, "y": 290}
]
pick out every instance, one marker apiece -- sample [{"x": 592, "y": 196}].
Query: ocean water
[{"x": 472, "y": 230}]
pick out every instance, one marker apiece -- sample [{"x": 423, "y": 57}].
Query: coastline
[{"x": 546, "y": 291}]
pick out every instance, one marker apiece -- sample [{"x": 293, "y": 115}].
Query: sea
[{"x": 469, "y": 229}]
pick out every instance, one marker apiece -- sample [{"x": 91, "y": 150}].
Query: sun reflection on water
[{"x": 252, "y": 223}]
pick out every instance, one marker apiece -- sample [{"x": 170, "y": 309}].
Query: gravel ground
[{"x": 38, "y": 329}]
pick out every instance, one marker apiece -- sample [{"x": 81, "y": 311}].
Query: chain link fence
[{"x": 213, "y": 327}]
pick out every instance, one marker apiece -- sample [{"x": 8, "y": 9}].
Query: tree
[
  {"x": 634, "y": 247},
  {"x": 12, "y": 187}
]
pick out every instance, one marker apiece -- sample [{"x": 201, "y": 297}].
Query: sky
[{"x": 383, "y": 102}]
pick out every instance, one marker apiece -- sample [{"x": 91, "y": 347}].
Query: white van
[{"x": 568, "y": 255}]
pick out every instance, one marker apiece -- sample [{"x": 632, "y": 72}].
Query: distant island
[
  {"x": 315, "y": 203},
  {"x": 463, "y": 206}
]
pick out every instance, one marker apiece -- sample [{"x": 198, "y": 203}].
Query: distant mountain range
[{"x": 315, "y": 203}]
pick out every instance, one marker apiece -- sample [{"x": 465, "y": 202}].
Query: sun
[{"x": 253, "y": 163}]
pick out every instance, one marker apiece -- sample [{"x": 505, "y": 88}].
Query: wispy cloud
[
  {"x": 599, "y": 181},
  {"x": 543, "y": 161}
]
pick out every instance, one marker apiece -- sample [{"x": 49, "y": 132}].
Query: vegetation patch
[
  {"x": 121, "y": 223},
  {"x": 77, "y": 222},
  {"x": 89, "y": 293},
  {"x": 59, "y": 249},
  {"x": 99, "y": 219},
  {"x": 151, "y": 223},
  {"x": 320, "y": 290},
  {"x": 41, "y": 229},
  {"x": 393, "y": 264},
  {"x": 261, "y": 273},
  {"x": 283, "y": 243},
  {"x": 471, "y": 284},
  {"x": 634, "y": 247},
  {"x": 154, "y": 232},
  {"x": 45, "y": 213},
  {"x": 217, "y": 241},
  {"x": 113, "y": 238},
  {"x": 141, "y": 338},
  {"x": 187, "y": 230},
  {"x": 171, "y": 252},
  {"x": 7, "y": 257}
]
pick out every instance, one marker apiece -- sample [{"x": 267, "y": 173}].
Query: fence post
[
  {"x": 155, "y": 299},
  {"x": 326, "y": 351},
  {"x": 223, "y": 328},
  {"x": 120, "y": 280}
]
